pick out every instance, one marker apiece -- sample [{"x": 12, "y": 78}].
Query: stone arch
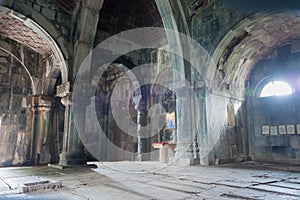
[
  {"x": 173, "y": 38},
  {"x": 45, "y": 65},
  {"x": 58, "y": 57},
  {"x": 44, "y": 15},
  {"x": 247, "y": 43},
  {"x": 113, "y": 135},
  {"x": 225, "y": 42},
  {"x": 53, "y": 79}
]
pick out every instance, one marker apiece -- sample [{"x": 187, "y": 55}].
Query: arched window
[{"x": 276, "y": 88}]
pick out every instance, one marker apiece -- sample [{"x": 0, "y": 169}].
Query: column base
[
  {"x": 71, "y": 158},
  {"x": 143, "y": 157},
  {"x": 186, "y": 156},
  {"x": 187, "y": 161}
]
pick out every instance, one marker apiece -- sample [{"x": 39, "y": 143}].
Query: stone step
[
  {"x": 40, "y": 185},
  {"x": 26, "y": 184}
]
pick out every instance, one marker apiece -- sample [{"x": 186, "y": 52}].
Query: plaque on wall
[
  {"x": 290, "y": 129},
  {"x": 298, "y": 128},
  {"x": 265, "y": 129},
  {"x": 274, "y": 130},
  {"x": 282, "y": 129}
]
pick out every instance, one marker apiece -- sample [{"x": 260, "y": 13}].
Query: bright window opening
[{"x": 276, "y": 88}]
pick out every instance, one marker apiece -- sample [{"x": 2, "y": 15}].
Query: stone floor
[{"x": 152, "y": 180}]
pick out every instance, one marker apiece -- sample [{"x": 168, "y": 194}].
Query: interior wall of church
[
  {"x": 212, "y": 22},
  {"x": 275, "y": 112},
  {"x": 225, "y": 137},
  {"x": 115, "y": 89},
  {"x": 31, "y": 123},
  {"x": 223, "y": 131},
  {"x": 15, "y": 111},
  {"x": 106, "y": 87},
  {"x": 55, "y": 20}
]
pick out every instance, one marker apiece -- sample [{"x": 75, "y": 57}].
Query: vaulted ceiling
[
  {"x": 258, "y": 39},
  {"x": 117, "y": 16},
  {"x": 16, "y": 30}
]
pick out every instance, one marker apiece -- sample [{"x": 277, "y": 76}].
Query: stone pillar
[
  {"x": 72, "y": 153},
  {"x": 72, "y": 147},
  {"x": 89, "y": 15},
  {"x": 86, "y": 30},
  {"x": 142, "y": 134},
  {"x": 41, "y": 130},
  {"x": 186, "y": 152}
]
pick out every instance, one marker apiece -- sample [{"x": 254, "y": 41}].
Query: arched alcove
[
  {"x": 33, "y": 64},
  {"x": 273, "y": 105},
  {"x": 247, "y": 43}
]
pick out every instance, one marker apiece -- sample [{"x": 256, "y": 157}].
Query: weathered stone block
[
  {"x": 296, "y": 153},
  {"x": 37, "y": 7},
  {"x": 12, "y": 136},
  {"x": 3, "y": 53},
  {"x": 3, "y": 60},
  {"x": 3, "y": 70},
  {"x": 65, "y": 31},
  {"x": 42, "y": 21},
  {"x": 23, "y": 8},
  {"x": 220, "y": 161},
  {"x": 63, "y": 46},
  {"x": 43, "y": 3},
  {"x": 63, "y": 19},
  {"x": 49, "y": 14},
  {"x": 295, "y": 142},
  {"x": 7, "y": 3}
]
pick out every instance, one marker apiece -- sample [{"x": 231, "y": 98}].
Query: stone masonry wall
[
  {"x": 225, "y": 142},
  {"x": 275, "y": 112},
  {"x": 211, "y": 24},
  {"x": 15, "y": 111},
  {"x": 224, "y": 139},
  {"x": 57, "y": 22}
]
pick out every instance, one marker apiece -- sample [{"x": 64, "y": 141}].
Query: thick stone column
[
  {"x": 143, "y": 141},
  {"x": 186, "y": 152},
  {"x": 41, "y": 130},
  {"x": 187, "y": 148},
  {"x": 86, "y": 31},
  {"x": 72, "y": 153}
]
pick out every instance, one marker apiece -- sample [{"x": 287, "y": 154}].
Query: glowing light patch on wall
[{"x": 276, "y": 88}]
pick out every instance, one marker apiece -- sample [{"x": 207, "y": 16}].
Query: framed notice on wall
[
  {"x": 171, "y": 120},
  {"x": 265, "y": 129},
  {"x": 274, "y": 130},
  {"x": 290, "y": 129},
  {"x": 298, "y": 128},
  {"x": 282, "y": 129}
]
